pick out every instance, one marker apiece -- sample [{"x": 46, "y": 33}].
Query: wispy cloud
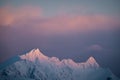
[{"x": 94, "y": 47}]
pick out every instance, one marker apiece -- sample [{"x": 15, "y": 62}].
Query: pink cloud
[
  {"x": 9, "y": 15},
  {"x": 32, "y": 17},
  {"x": 95, "y": 47},
  {"x": 61, "y": 24}
]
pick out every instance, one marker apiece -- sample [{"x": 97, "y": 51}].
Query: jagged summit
[
  {"x": 91, "y": 61},
  {"x": 33, "y": 55},
  {"x": 37, "y": 54},
  {"x": 69, "y": 62}
]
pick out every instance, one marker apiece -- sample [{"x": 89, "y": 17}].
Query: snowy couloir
[{"x": 36, "y": 66}]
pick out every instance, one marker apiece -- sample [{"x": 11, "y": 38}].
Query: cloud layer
[{"x": 29, "y": 16}]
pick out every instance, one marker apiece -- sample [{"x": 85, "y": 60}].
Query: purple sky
[{"x": 74, "y": 29}]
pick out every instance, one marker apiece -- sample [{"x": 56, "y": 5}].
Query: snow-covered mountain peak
[
  {"x": 33, "y": 55},
  {"x": 91, "y": 61},
  {"x": 35, "y": 50},
  {"x": 36, "y": 54},
  {"x": 69, "y": 62},
  {"x": 51, "y": 68}
]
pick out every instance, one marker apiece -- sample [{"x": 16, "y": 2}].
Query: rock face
[{"x": 36, "y": 66}]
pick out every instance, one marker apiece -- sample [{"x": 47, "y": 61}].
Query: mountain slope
[{"x": 36, "y": 66}]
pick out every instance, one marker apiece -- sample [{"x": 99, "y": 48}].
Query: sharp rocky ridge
[{"x": 34, "y": 65}]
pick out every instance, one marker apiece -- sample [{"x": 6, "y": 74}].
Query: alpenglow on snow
[{"x": 36, "y": 66}]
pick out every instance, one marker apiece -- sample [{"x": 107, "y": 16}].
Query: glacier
[{"x": 34, "y": 65}]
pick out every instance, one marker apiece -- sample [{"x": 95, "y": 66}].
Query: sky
[{"x": 75, "y": 29}]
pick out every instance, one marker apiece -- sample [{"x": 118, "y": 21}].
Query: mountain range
[{"x": 34, "y": 65}]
